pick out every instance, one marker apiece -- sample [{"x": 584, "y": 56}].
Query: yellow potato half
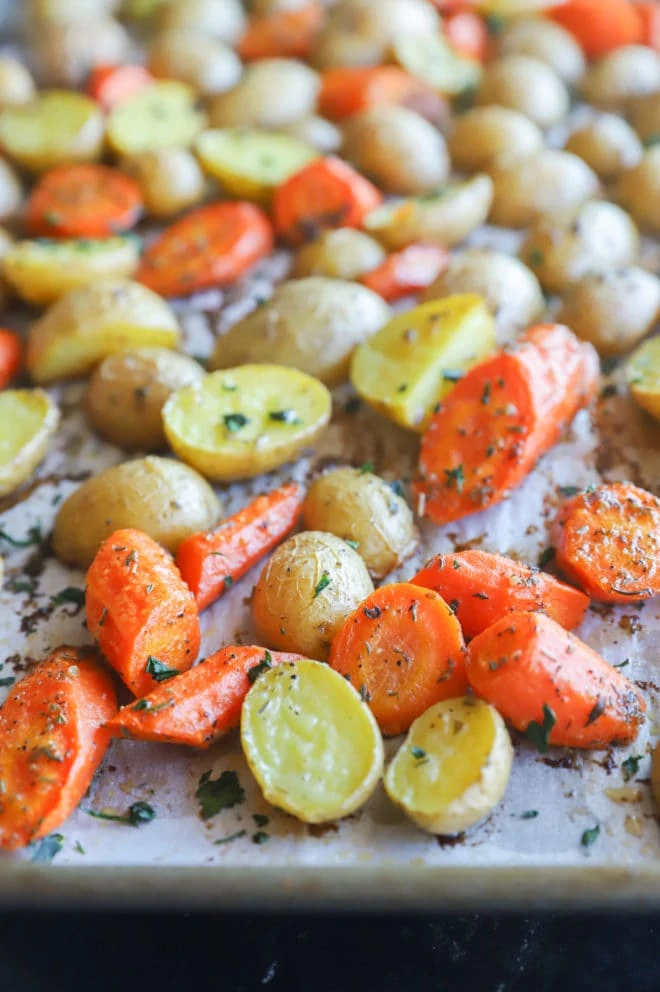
[
  {"x": 59, "y": 127},
  {"x": 431, "y": 58},
  {"x": 643, "y": 374},
  {"x": 453, "y": 766},
  {"x": 310, "y": 741},
  {"x": 161, "y": 115},
  {"x": 29, "y": 419}
]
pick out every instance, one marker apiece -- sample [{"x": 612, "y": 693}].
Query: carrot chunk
[
  {"x": 11, "y": 356},
  {"x": 467, "y": 34},
  {"x": 112, "y": 84},
  {"x": 282, "y": 33},
  {"x": 408, "y": 271},
  {"x": 546, "y": 682},
  {"x": 403, "y": 650},
  {"x": 140, "y": 611},
  {"x": 83, "y": 201},
  {"x": 52, "y": 740},
  {"x": 599, "y": 27},
  {"x": 346, "y": 90},
  {"x": 650, "y": 17}
]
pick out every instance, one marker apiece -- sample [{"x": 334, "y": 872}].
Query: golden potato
[
  {"x": 645, "y": 117},
  {"x": 360, "y": 32},
  {"x": 613, "y": 310},
  {"x": 16, "y": 83},
  {"x": 483, "y": 133},
  {"x": 544, "y": 40},
  {"x": 170, "y": 179},
  {"x": 607, "y": 144},
  {"x": 306, "y": 591},
  {"x": 366, "y": 512},
  {"x": 11, "y": 191},
  {"x": 643, "y": 375},
  {"x": 29, "y": 419},
  {"x": 222, "y": 20},
  {"x": 209, "y": 66},
  {"x": 527, "y": 186},
  {"x": 162, "y": 497},
  {"x": 341, "y": 253},
  {"x": 527, "y": 85},
  {"x": 66, "y": 53},
  {"x": 128, "y": 390},
  {"x": 271, "y": 93},
  {"x": 58, "y": 127},
  {"x": 315, "y": 131},
  {"x": 45, "y": 12},
  {"x": 160, "y": 115},
  {"x": 629, "y": 71},
  {"x": 638, "y": 190}
]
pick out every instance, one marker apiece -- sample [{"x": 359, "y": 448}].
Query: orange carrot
[
  {"x": 548, "y": 683},
  {"x": 83, "y": 201},
  {"x": 607, "y": 541},
  {"x": 11, "y": 353},
  {"x": 599, "y": 27},
  {"x": 112, "y": 84},
  {"x": 326, "y": 193},
  {"x": 467, "y": 34},
  {"x": 282, "y": 33},
  {"x": 482, "y": 588},
  {"x": 197, "y": 708},
  {"x": 408, "y": 271},
  {"x": 403, "y": 650},
  {"x": 52, "y": 741},
  {"x": 211, "y": 246},
  {"x": 211, "y": 561},
  {"x": 349, "y": 89},
  {"x": 500, "y": 418},
  {"x": 140, "y": 611},
  {"x": 650, "y": 17}
]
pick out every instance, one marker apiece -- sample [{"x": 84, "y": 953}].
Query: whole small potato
[
  {"x": 306, "y": 591},
  {"x": 341, "y": 253},
  {"x": 527, "y": 85},
  {"x": 66, "y": 53},
  {"x": 11, "y": 191},
  {"x": 171, "y": 179},
  {"x": 16, "y": 83},
  {"x": 645, "y": 116},
  {"x": 209, "y": 66},
  {"x": 483, "y": 133},
  {"x": 607, "y": 144},
  {"x": 271, "y": 93},
  {"x": 638, "y": 190},
  {"x": 630, "y": 71},
  {"x": 561, "y": 248},
  {"x": 397, "y": 148},
  {"x": 613, "y": 310},
  {"x": 315, "y": 131},
  {"x": 167, "y": 500},
  {"x": 128, "y": 391},
  {"x": 527, "y": 186},
  {"x": 364, "y": 509},
  {"x": 222, "y": 20},
  {"x": 544, "y": 40},
  {"x": 45, "y": 12},
  {"x": 361, "y": 32}
]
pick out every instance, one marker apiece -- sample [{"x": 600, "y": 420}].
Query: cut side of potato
[
  {"x": 643, "y": 373},
  {"x": 310, "y": 741},
  {"x": 29, "y": 420},
  {"x": 339, "y": 253},
  {"x": 59, "y": 127},
  {"x": 244, "y": 421},
  {"x": 431, "y": 58},
  {"x": 160, "y": 115},
  {"x": 408, "y": 366},
  {"x": 453, "y": 767}
]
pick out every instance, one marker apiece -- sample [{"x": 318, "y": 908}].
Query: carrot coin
[
  {"x": 11, "y": 352},
  {"x": 83, "y": 201},
  {"x": 111, "y": 84}
]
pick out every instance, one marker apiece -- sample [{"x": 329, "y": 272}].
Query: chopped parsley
[
  {"x": 228, "y": 840},
  {"x": 455, "y": 477},
  {"x": 34, "y": 537},
  {"x": 367, "y": 467},
  {"x": 546, "y": 556},
  {"x": 396, "y": 487},
  {"x": 485, "y": 396},
  {"x": 146, "y": 704},
  {"x": 235, "y": 421},
  {"x": 622, "y": 664},
  {"x": 590, "y": 836},
  {"x": 48, "y": 848},
  {"x": 537, "y": 733},
  {"x": 630, "y": 766},
  {"x": 529, "y": 814},
  {"x": 322, "y": 584},
  {"x": 138, "y": 812},
  {"x": 159, "y": 670},
  {"x": 214, "y": 795},
  {"x": 286, "y": 416},
  {"x": 568, "y": 491},
  {"x": 7, "y": 681},
  {"x": 19, "y": 585},
  {"x": 352, "y": 544},
  {"x": 227, "y": 581},
  {"x": 71, "y": 594},
  {"x": 79, "y": 848},
  {"x": 260, "y": 819},
  {"x": 260, "y": 837},
  {"x": 261, "y": 667},
  {"x": 418, "y": 753}
]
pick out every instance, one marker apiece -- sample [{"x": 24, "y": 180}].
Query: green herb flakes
[
  {"x": 214, "y": 795},
  {"x": 590, "y": 836},
  {"x": 418, "y": 753},
  {"x": 539, "y": 734},
  {"x": 529, "y": 814},
  {"x": 260, "y": 837},
  {"x": 47, "y": 849},
  {"x": 230, "y": 838},
  {"x": 568, "y": 491},
  {"x": 366, "y": 468},
  {"x": 34, "y": 537},
  {"x": 71, "y": 594},
  {"x": 352, "y": 544},
  {"x": 260, "y": 819},
  {"x": 322, "y": 584},
  {"x": 159, "y": 670},
  {"x": 263, "y": 666},
  {"x": 455, "y": 477},
  {"x": 286, "y": 416},
  {"x": 630, "y": 766},
  {"x": 7, "y": 681},
  {"x": 138, "y": 812},
  {"x": 235, "y": 422}
]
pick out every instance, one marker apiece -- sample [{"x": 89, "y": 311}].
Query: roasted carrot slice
[
  {"x": 52, "y": 740},
  {"x": 499, "y": 419},
  {"x": 11, "y": 353},
  {"x": 607, "y": 541},
  {"x": 482, "y": 588},
  {"x": 211, "y": 561},
  {"x": 211, "y": 246},
  {"x": 467, "y": 34},
  {"x": 200, "y": 706},
  {"x": 83, "y": 201},
  {"x": 140, "y": 611},
  {"x": 348, "y": 89},
  {"x": 112, "y": 84},
  {"x": 282, "y": 33},
  {"x": 326, "y": 193},
  {"x": 599, "y": 27},
  {"x": 650, "y": 17},
  {"x": 407, "y": 271},
  {"x": 403, "y": 650},
  {"x": 548, "y": 683}
]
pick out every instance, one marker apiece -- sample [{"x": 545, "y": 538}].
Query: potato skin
[
  {"x": 171, "y": 179},
  {"x": 66, "y": 53},
  {"x": 341, "y": 253},
  {"x": 607, "y": 144},
  {"x": 544, "y": 40},
  {"x": 288, "y": 612},
  {"x": 645, "y": 115},
  {"x": 361, "y": 32},
  {"x": 362, "y": 507},
  {"x": 16, "y": 83},
  {"x": 167, "y": 500},
  {"x": 271, "y": 93},
  {"x": 527, "y": 85},
  {"x": 11, "y": 191},
  {"x": 209, "y": 66},
  {"x": 222, "y": 20},
  {"x": 638, "y": 190},
  {"x": 525, "y": 187},
  {"x": 627, "y": 72},
  {"x": 128, "y": 391},
  {"x": 483, "y": 133},
  {"x": 315, "y": 131}
]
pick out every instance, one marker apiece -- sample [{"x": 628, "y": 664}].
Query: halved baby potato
[
  {"x": 244, "y": 421},
  {"x": 160, "y": 115},
  {"x": 41, "y": 271},
  {"x": 643, "y": 373},
  {"x": 407, "y": 367},
  {"x": 310, "y": 741},
  {"x": 58, "y": 127},
  {"x": 94, "y": 321},
  {"x": 340, "y": 253},
  {"x": 431, "y": 58},
  {"x": 170, "y": 179},
  {"x": 29, "y": 418},
  {"x": 453, "y": 767}
]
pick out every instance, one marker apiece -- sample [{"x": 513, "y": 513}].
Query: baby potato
[
  {"x": 340, "y": 253},
  {"x": 11, "y": 191},
  {"x": 94, "y": 321},
  {"x": 361, "y": 32},
  {"x": 453, "y": 767},
  {"x": 607, "y": 144},
  {"x": 366, "y": 511},
  {"x": 271, "y": 93},
  {"x": 432, "y": 59},
  {"x": 638, "y": 190},
  {"x": 315, "y": 131},
  {"x": 379, "y": 142},
  {"x": 58, "y": 127},
  {"x": 527, "y": 85},
  {"x": 42, "y": 271},
  {"x": 307, "y": 589},
  {"x": 645, "y": 116},
  {"x": 311, "y": 324},
  {"x": 406, "y": 368},
  {"x": 643, "y": 374},
  {"x": 209, "y": 66},
  {"x": 170, "y": 179},
  {"x": 65, "y": 54},
  {"x": 160, "y": 115},
  {"x": 527, "y": 186},
  {"x": 162, "y": 497},
  {"x": 629, "y": 71},
  {"x": 16, "y": 83},
  {"x": 544, "y": 40},
  {"x": 128, "y": 390},
  {"x": 561, "y": 248},
  {"x": 29, "y": 419},
  {"x": 244, "y": 421},
  {"x": 221, "y": 20},
  {"x": 483, "y": 133},
  {"x": 311, "y": 743},
  {"x": 444, "y": 217},
  {"x": 510, "y": 290},
  {"x": 613, "y": 310},
  {"x": 66, "y": 12}
]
